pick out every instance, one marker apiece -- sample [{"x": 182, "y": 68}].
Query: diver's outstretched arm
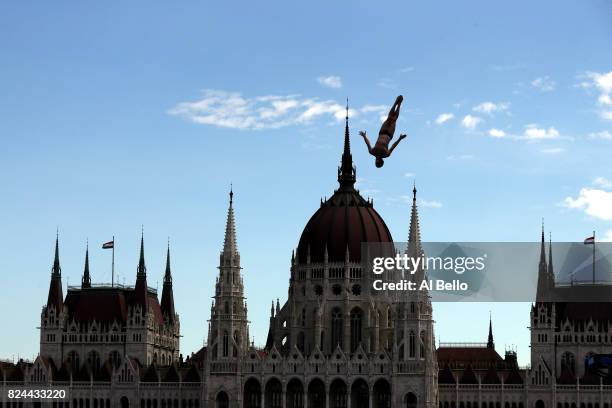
[
  {"x": 394, "y": 145},
  {"x": 367, "y": 141}
]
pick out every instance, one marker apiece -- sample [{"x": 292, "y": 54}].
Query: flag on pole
[
  {"x": 108, "y": 245},
  {"x": 589, "y": 241}
]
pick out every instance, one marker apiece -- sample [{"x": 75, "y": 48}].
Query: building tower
[
  {"x": 414, "y": 329},
  {"x": 228, "y": 334}
]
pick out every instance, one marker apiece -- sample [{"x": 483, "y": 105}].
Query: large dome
[{"x": 344, "y": 220}]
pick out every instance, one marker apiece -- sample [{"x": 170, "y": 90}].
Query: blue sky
[{"x": 115, "y": 115}]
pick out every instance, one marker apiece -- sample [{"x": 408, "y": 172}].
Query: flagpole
[
  {"x": 113, "y": 265},
  {"x": 593, "y": 257}
]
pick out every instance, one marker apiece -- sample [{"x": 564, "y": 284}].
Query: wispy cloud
[
  {"x": 422, "y": 202},
  {"x": 498, "y": 133},
  {"x": 553, "y": 150},
  {"x": 603, "y": 135},
  {"x": 232, "y": 110},
  {"x": 443, "y": 118},
  {"x": 470, "y": 122},
  {"x": 491, "y": 107},
  {"x": 603, "y": 182},
  {"x": 331, "y": 81},
  {"x": 409, "y": 175},
  {"x": 594, "y": 202},
  {"x": 429, "y": 204},
  {"x": 533, "y": 132},
  {"x": 602, "y": 82},
  {"x": 544, "y": 84},
  {"x": 406, "y": 69}
]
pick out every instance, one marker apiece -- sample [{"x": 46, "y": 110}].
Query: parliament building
[{"x": 334, "y": 343}]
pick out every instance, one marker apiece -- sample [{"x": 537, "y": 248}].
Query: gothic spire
[
  {"x": 543, "y": 248},
  {"x": 57, "y": 270},
  {"x": 86, "y": 280},
  {"x": 167, "y": 299},
  {"x": 230, "y": 247},
  {"x": 56, "y": 296},
  {"x": 551, "y": 272},
  {"x": 543, "y": 275},
  {"x": 142, "y": 269},
  {"x": 346, "y": 171},
  {"x": 414, "y": 235},
  {"x": 141, "y": 288},
  {"x": 490, "y": 342}
]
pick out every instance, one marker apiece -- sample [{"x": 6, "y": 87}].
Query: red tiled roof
[
  {"x": 106, "y": 304},
  {"x": 467, "y": 355}
]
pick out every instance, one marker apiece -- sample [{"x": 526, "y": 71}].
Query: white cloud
[
  {"x": 498, "y": 133},
  {"x": 553, "y": 150},
  {"x": 490, "y": 107},
  {"x": 429, "y": 204},
  {"x": 444, "y": 117},
  {"x": 232, "y": 110},
  {"x": 603, "y": 83},
  {"x": 544, "y": 84},
  {"x": 533, "y": 132},
  {"x": 602, "y": 182},
  {"x": 470, "y": 122},
  {"x": 409, "y": 175},
  {"x": 406, "y": 69},
  {"x": 421, "y": 202},
  {"x": 594, "y": 202},
  {"x": 331, "y": 81},
  {"x": 604, "y": 135}
]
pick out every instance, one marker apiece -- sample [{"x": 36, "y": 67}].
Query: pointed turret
[
  {"x": 346, "y": 171},
  {"x": 543, "y": 289},
  {"x": 230, "y": 247},
  {"x": 86, "y": 280},
  {"x": 167, "y": 299},
  {"x": 543, "y": 251},
  {"x": 229, "y": 314},
  {"x": 490, "y": 342},
  {"x": 551, "y": 272},
  {"x": 56, "y": 295},
  {"x": 414, "y": 235},
  {"x": 140, "y": 289}
]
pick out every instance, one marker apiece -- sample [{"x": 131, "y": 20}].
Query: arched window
[
  {"x": 115, "y": 358},
  {"x": 303, "y": 317},
  {"x": 300, "y": 341},
  {"x": 568, "y": 362},
  {"x": 422, "y": 345},
  {"x": 222, "y": 400},
  {"x": 411, "y": 344},
  {"x": 225, "y": 344},
  {"x": 226, "y": 308},
  {"x": 336, "y": 328},
  {"x": 389, "y": 317},
  {"x": 93, "y": 359},
  {"x": 356, "y": 326},
  {"x": 237, "y": 341},
  {"x": 410, "y": 400},
  {"x": 73, "y": 359}
]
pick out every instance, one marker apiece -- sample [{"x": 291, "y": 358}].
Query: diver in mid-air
[{"x": 381, "y": 149}]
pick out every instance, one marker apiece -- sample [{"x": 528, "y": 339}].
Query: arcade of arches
[{"x": 315, "y": 394}]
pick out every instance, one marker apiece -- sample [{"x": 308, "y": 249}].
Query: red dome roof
[{"x": 344, "y": 220}]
